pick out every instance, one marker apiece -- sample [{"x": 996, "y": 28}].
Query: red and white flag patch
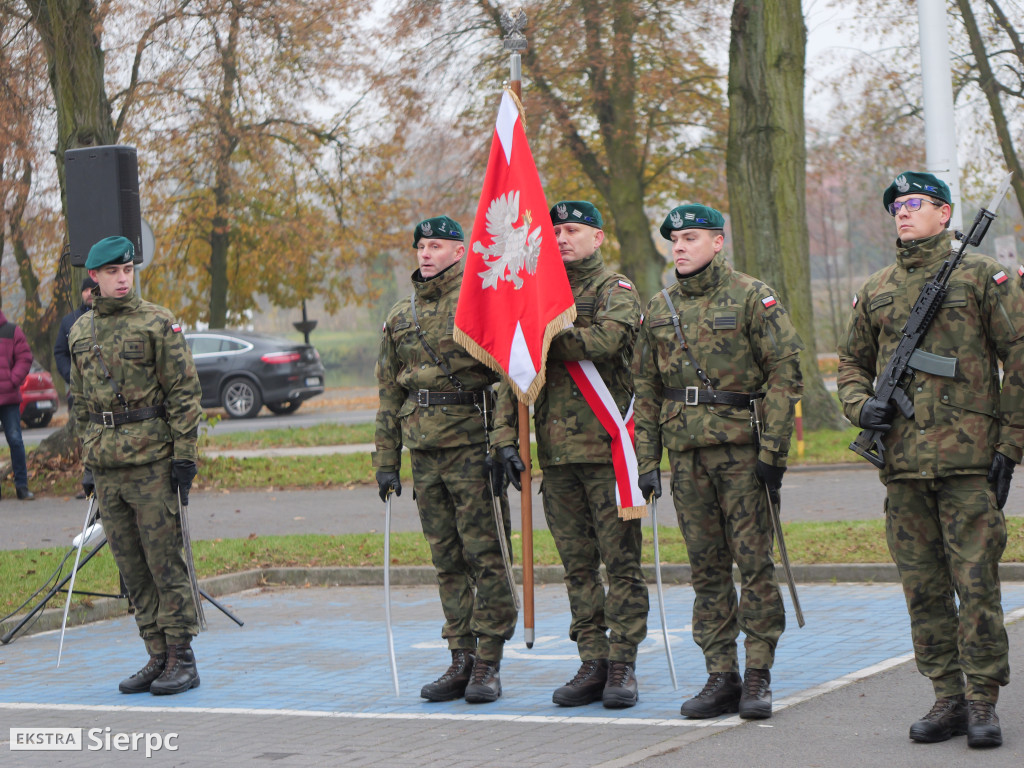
[
  {"x": 1000, "y": 277},
  {"x": 625, "y": 285},
  {"x": 1020, "y": 270},
  {"x": 175, "y": 327},
  {"x": 855, "y": 299},
  {"x": 769, "y": 301}
]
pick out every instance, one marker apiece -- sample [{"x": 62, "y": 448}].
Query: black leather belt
[
  {"x": 113, "y": 418},
  {"x": 424, "y": 397},
  {"x": 701, "y": 396}
]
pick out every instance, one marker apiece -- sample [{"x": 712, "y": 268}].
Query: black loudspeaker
[{"x": 103, "y": 198}]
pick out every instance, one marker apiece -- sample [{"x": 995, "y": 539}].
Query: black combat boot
[
  {"x": 141, "y": 680},
  {"x": 756, "y": 699},
  {"x": 586, "y": 687},
  {"x": 946, "y": 718},
  {"x": 180, "y": 674},
  {"x": 484, "y": 684},
  {"x": 721, "y": 694},
  {"x": 24, "y": 493},
  {"x": 452, "y": 684},
  {"x": 620, "y": 691},
  {"x": 983, "y": 725}
]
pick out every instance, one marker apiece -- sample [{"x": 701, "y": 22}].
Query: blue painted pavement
[{"x": 321, "y": 651}]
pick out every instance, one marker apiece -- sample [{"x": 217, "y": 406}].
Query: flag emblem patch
[
  {"x": 1000, "y": 277},
  {"x": 769, "y": 301}
]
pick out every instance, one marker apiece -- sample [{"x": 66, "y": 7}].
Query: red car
[{"x": 38, "y": 397}]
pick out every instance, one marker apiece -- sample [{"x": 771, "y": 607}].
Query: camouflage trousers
[
  {"x": 723, "y": 514},
  {"x": 580, "y": 508},
  {"x": 946, "y": 537},
  {"x": 140, "y": 519},
  {"x": 454, "y": 502}
]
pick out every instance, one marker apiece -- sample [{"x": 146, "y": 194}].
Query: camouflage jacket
[
  {"x": 404, "y": 367},
  {"x": 958, "y": 422},
  {"x": 744, "y": 340},
  {"x": 147, "y": 355},
  {"x": 607, "y": 320}
]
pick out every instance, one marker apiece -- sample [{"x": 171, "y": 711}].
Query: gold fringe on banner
[
  {"x": 632, "y": 513},
  {"x": 558, "y": 324}
]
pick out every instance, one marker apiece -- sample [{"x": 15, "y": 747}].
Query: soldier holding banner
[
  {"x": 136, "y": 402},
  {"x": 710, "y": 344},
  {"x": 589, "y": 521},
  {"x": 437, "y": 400}
]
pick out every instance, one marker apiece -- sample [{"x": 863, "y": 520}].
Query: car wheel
[
  {"x": 37, "y": 420},
  {"x": 241, "y": 399},
  {"x": 283, "y": 409}
]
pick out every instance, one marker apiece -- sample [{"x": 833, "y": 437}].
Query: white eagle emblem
[
  {"x": 902, "y": 185},
  {"x": 562, "y": 211},
  {"x": 426, "y": 229},
  {"x": 676, "y": 219},
  {"x": 513, "y": 247}
]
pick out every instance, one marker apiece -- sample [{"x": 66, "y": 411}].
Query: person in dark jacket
[
  {"x": 61, "y": 351},
  {"x": 15, "y": 361}
]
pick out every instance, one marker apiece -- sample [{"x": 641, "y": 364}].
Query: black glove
[
  {"x": 183, "y": 472},
  {"x": 88, "y": 483},
  {"x": 877, "y": 415},
  {"x": 649, "y": 484},
  {"x": 512, "y": 465},
  {"x": 770, "y": 475},
  {"x": 999, "y": 477},
  {"x": 387, "y": 480}
]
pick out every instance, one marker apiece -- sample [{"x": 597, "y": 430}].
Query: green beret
[
  {"x": 692, "y": 216},
  {"x": 911, "y": 183},
  {"x": 110, "y": 250},
  {"x": 579, "y": 211},
  {"x": 437, "y": 228}
]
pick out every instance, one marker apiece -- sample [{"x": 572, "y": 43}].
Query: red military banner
[{"x": 515, "y": 294}]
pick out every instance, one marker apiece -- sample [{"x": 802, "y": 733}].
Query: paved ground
[
  {"x": 306, "y": 682},
  {"x": 852, "y": 492}
]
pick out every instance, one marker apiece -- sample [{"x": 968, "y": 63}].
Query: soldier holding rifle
[
  {"x": 136, "y": 401},
  {"x": 711, "y": 344},
  {"x": 437, "y": 401},
  {"x": 951, "y": 434}
]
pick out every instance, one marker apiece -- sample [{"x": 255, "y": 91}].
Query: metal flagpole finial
[{"x": 514, "y": 23}]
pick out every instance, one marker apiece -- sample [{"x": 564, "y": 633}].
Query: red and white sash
[{"x": 627, "y": 494}]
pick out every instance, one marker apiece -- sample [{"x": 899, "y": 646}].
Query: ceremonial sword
[
  {"x": 773, "y": 513},
  {"x": 189, "y": 563},
  {"x": 661, "y": 593},
  {"x": 387, "y": 589}
]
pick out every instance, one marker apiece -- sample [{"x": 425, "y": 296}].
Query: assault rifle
[{"x": 890, "y": 387}]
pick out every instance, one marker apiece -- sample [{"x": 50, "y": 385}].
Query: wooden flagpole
[{"x": 514, "y": 42}]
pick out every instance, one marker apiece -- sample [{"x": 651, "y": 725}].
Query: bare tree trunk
[
  {"x": 766, "y": 172},
  {"x": 74, "y": 55},
  {"x": 989, "y": 85}
]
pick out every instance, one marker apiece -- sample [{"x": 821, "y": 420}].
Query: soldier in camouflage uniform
[
  {"x": 697, "y": 405},
  {"x": 433, "y": 397},
  {"x": 574, "y": 452},
  {"x": 948, "y": 467},
  {"x": 136, "y": 404}
]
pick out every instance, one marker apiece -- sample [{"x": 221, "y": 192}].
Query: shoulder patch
[
  {"x": 855, "y": 299},
  {"x": 176, "y": 327},
  {"x": 769, "y": 301},
  {"x": 1020, "y": 270},
  {"x": 999, "y": 277},
  {"x": 624, "y": 284}
]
